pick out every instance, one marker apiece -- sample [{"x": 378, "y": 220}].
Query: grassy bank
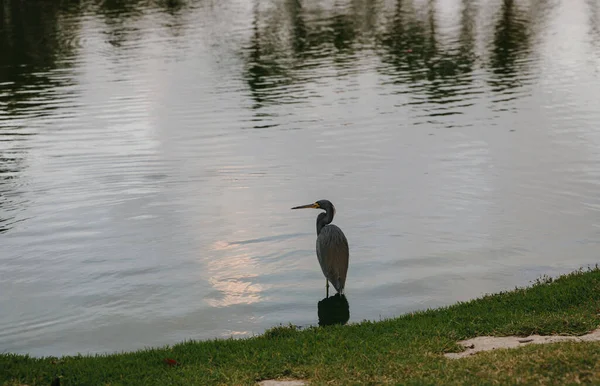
[{"x": 406, "y": 350}]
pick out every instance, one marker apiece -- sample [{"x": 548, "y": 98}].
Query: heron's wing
[{"x": 333, "y": 255}]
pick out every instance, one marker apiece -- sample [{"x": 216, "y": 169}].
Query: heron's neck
[{"x": 324, "y": 219}]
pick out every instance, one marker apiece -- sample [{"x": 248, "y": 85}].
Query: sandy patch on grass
[
  {"x": 487, "y": 343},
  {"x": 273, "y": 382}
]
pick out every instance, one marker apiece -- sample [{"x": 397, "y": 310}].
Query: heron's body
[
  {"x": 332, "y": 247},
  {"x": 333, "y": 254}
]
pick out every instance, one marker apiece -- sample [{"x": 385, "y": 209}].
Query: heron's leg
[{"x": 326, "y": 288}]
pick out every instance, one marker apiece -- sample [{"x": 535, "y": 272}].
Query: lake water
[{"x": 150, "y": 152}]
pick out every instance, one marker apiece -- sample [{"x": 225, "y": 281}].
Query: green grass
[{"x": 404, "y": 350}]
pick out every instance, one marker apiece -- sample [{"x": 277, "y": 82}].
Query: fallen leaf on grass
[{"x": 171, "y": 362}]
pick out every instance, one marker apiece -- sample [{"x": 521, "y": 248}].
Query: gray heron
[{"x": 332, "y": 247}]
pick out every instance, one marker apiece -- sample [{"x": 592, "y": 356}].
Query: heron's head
[{"x": 325, "y": 205}]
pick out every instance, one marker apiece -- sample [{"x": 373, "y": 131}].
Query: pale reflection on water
[
  {"x": 150, "y": 153},
  {"x": 234, "y": 277}
]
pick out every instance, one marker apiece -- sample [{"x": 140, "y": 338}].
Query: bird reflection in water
[{"x": 333, "y": 310}]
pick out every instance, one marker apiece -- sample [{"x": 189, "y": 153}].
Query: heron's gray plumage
[
  {"x": 333, "y": 253},
  {"x": 332, "y": 246}
]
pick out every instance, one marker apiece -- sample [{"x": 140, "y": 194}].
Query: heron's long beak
[{"x": 313, "y": 206}]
